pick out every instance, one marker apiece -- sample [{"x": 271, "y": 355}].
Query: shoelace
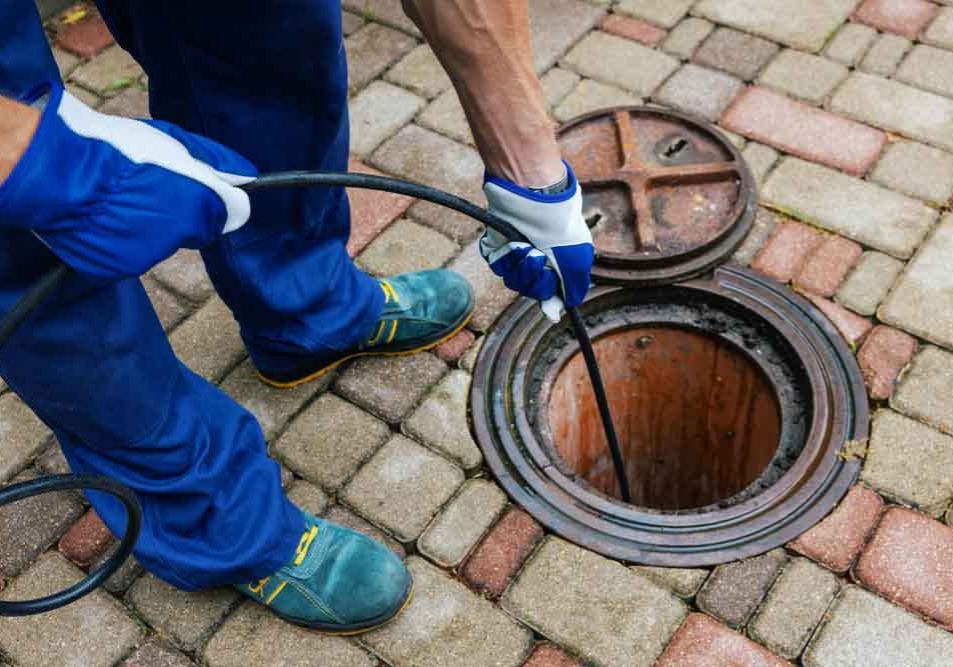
[{"x": 301, "y": 552}]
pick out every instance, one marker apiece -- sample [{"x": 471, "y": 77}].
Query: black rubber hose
[{"x": 371, "y": 182}]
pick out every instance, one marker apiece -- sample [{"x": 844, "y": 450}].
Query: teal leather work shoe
[
  {"x": 421, "y": 310},
  {"x": 338, "y": 582}
]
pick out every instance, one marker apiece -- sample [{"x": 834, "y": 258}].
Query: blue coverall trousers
[{"x": 268, "y": 79}]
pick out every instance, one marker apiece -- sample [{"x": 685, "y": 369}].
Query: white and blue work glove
[
  {"x": 113, "y": 196},
  {"x": 554, "y": 266}
]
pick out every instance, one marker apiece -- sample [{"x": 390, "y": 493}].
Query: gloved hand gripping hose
[{"x": 52, "y": 281}]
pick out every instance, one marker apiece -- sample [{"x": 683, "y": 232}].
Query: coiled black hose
[{"x": 53, "y": 280}]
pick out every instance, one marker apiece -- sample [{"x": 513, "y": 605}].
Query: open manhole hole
[{"x": 732, "y": 397}]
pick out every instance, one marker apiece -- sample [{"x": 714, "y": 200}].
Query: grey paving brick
[
  {"x": 373, "y": 49},
  {"x": 885, "y": 55},
  {"x": 922, "y": 300},
  {"x": 379, "y": 111},
  {"x": 52, "y": 461},
  {"x": 896, "y": 107},
  {"x": 186, "y": 618},
  {"x": 468, "y": 360},
  {"x": 390, "y": 387},
  {"x": 764, "y": 224},
  {"x": 883, "y": 219},
  {"x": 122, "y": 578},
  {"x": 308, "y": 497},
  {"x": 406, "y": 246},
  {"x": 929, "y": 68},
  {"x": 735, "y": 590},
  {"x": 420, "y": 72},
  {"x": 168, "y": 308},
  {"x": 864, "y": 629},
  {"x": 608, "y": 58},
  {"x": 402, "y": 487},
  {"x": 909, "y": 462},
  {"x": 917, "y": 170},
  {"x": 699, "y": 90},
  {"x": 66, "y": 62},
  {"x": 84, "y": 96},
  {"x": 461, "y": 523},
  {"x": 803, "y": 75},
  {"x": 255, "y": 636},
  {"x": 157, "y": 653},
  {"x": 447, "y": 624},
  {"x": 108, "y": 73},
  {"x": 208, "y": 342},
  {"x": 684, "y": 582},
  {"x": 133, "y": 102},
  {"x": 869, "y": 282},
  {"x": 185, "y": 273},
  {"x": 388, "y": 12},
  {"x": 760, "y": 159},
  {"x": 491, "y": 297},
  {"x": 557, "y": 84},
  {"x": 22, "y": 435},
  {"x": 687, "y": 36},
  {"x": 736, "y": 52},
  {"x": 351, "y": 23},
  {"x": 441, "y": 421},
  {"x": 555, "y": 25},
  {"x": 329, "y": 441},
  {"x": 344, "y": 517},
  {"x": 924, "y": 391},
  {"x": 28, "y": 527},
  {"x": 445, "y": 115},
  {"x": 805, "y": 24},
  {"x": 850, "y": 44},
  {"x": 427, "y": 157},
  {"x": 665, "y": 13},
  {"x": 593, "y": 606},
  {"x": 93, "y": 631},
  {"x": 589, "y": 96},
  {"x": 940, "y": 32},
  {"x": 272, "y": 407},
  {"x": 794, "y": 606}
]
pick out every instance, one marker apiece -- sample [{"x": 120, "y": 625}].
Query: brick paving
[{"x": 844, "y": 109}]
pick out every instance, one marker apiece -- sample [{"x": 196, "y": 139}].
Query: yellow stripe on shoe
[
  {"x": 272, "y": 597},
  {"x": 305, "y": 544}
]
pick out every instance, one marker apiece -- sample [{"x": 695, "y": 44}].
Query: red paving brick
[
  {"x": 550, "y": 655},
  {"x": 86, "y": 37},
  {"x": 910, "y": 561},
  {"x": 826, "y": 267},
  {"x": 805, "y": 131},
  {"x": 704, "y": 641},
  {"x": 836, "y": 541},
  {"x": 786, "y": 251},
  {"x": 881, "y": 358},
  {"x": 86, "y": 540},
  {"x": 502, "y": 552},
  {"x": 454, "y": 348},
  {"x": 851, "y": 326},
  {"x": 634, "y": 29},
  {"x": 903, "y": 17},
  {"x": 371, "y": 211}
]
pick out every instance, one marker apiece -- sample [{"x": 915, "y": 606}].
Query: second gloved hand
[
  {"x": 558, "y": 260},
  {"x": 113, "y": 196}
]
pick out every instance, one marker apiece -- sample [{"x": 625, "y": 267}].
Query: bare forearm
[
  {"x": 485, "y": 47},
  {"x": 17, "y": 125}
]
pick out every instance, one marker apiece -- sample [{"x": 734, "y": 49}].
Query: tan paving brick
[
  {"x": 701, "y": 640},
  {"x": 866, "y": 213},
  {"x": 186, "y": 618},
  {"x": 342, "y": 516},
  {"x": 462, "y": 522},
  {"x": 605, "y": 57},
  {"x": 924, "y": 391},
  {"x": 917, "y": 170},
  {"x": 157, "y": 653},
  {"x": 371, "y": 210},
  {"x": 803, "y": 75},
  {"x": 133, "y": 102},
  {"x": 909, "y": 462},
  {"x": 445, "y": 115},
  {"x": 735, "y": 590},
  {"x": 441, "y": 421},
  {"x": 869, "y": 282},
  {"x": 793, "y": 607},
  {"x": 864, "y": 629},
  {"x": 850, "y": 43},
  {"x": 765, "y": 223},
  {"x": 406, "y": 246},
  {"x": 557, "y": 83},
  {"x": 684, "y": 582},
  {"x": 446, "y": 624},
  {"x": 208, "y": 342},
  {"x": 629, "y": 619},
  {"x": 665, "y": 13},
  {"x": 373, "y": 49},
  {"x": 169, "y": 309},
  {"x": 589, "y": 96},
  {"x": 491, "y": 297},
  {"x": 402, "y": 487},
  {"x": 308, "y": 497},
  {"x": 940, "y": 32},
  {"x": 929, "y": 68},
  {"x": 185, "y": 274},
  {"x": 420, "y": 72},
  {"x": 377, "y": 112},
  {"x": 698, "y": 90},
  {"x": 110, "y": 72},
  {"x": 387, "y": 12},
  {"x": 885, "y": 55},
  {"x": 737, "y": 53},
  {"x": 93, "y": 631},
  {"x": 390, "y": 387},
  {"x": 555, "y": 25},
  {"x": 329, "y": 441},
  {"x": 22, "y": 435},
  {"x": 687, "y": 36},
  {"x": 922, "y": 301}
]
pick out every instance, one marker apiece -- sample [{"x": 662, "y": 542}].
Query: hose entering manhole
[{"x": 51, "y": 282}]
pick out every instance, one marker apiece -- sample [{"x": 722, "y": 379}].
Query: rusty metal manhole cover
[{"x": 668, "y": 197}]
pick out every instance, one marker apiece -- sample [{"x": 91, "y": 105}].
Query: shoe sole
[
  {"x": 367, "y": 353},
  {"x": 338, "y": 631}
]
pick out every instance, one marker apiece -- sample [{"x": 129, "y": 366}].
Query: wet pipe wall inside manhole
[{"x": 733, "y": 398}]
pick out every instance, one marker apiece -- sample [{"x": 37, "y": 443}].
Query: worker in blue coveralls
[{"x": 112, "y": 196}]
